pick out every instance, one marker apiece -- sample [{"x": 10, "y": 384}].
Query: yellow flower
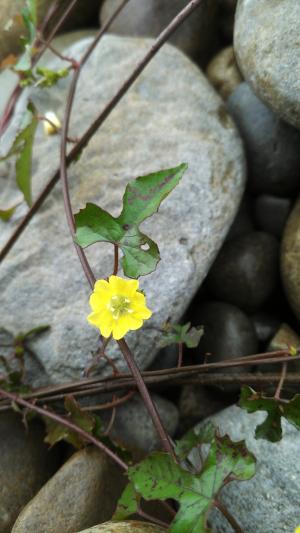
[
  {"x": 117, "y": 307},
  {"x": 297, "y": 530}
]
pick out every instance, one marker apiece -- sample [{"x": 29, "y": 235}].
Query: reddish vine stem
[
  {"x": 110, "y": 405},
  {"x": 146, "y": 397},
  {"x": 232, "y": 521},
  {"x": 61, "y": 420},
  {"x": 281, "y": 381},
  {"x": 116, "y": 259},
  {"x": 161, "y": 39}
]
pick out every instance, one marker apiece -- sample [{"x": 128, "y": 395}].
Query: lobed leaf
[
  {"x": 271, "y": 428},
  {"x": 176, "y": 333},
  {"x": 142, "y": 199},
  {"x": 159, "y": 477}
]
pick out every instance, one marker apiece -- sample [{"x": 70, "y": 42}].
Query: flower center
[{"x": 119, "y": 306}]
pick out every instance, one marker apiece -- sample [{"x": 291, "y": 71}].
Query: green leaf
[
  {"x": 22, "y": 148},
  {"x": 6, "y": 214},
  {"x": 57, "y": 432},
  {"x": 128, "y": 503},
  {"x": 48, "y": 77},
  {"x": 142, "y": 199},
  {"x": 175, "y": 334},
  {"x": 193, "y": 439},
  {"x": 159, "y": 477},
  {"x": 271, "y": 428},
  {"x": 29, "y": 16}
]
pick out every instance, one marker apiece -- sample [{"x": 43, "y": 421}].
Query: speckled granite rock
[
  {"x": 83, "y": 492},
  {"x": 157, "y": 125},
  {"x": 266, "y": 42},
  {"x": 270, "y": 500}
]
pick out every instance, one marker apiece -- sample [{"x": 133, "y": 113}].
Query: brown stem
[
  {"x": 158, "y": 43},
  {"x": 180, "y": 354},
  {"x": 281, "y": 381},
  {"x": 232, "y": 521},
  {"x": 146, "y": 397},
  {"x": 61, "y": 420},
  {"x": 116, "y": 259},
  {"x": 110, "y": 405}
]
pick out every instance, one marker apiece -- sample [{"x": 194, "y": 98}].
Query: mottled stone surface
[
  {"x": 290, "y": 259},
  {"x": 270, "y": 500},
  {"x": 132, "y": 526},
  {"x": 142, "y": 437},
  {"x": 271, "y": 213},
  {"x": 83, "y": 492},
  {"x": 25, "y": 465},
  {"x": 266, "y": 42},
  {"x": 197, "y": 36},
  {"x": 157, "y": 125},
  {"x": 223, "y": 72}
]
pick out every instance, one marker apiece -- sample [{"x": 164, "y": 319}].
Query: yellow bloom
[
  {"x": 117, "y": 306},
  {"x": 297, "y": 530}
]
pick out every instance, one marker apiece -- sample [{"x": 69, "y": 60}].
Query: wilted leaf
[
  {"x": 142, "y": 199},
  {"x": 175, "y": 334},
  {"x": 6, "y": 214},
  {"x": 57, "y": 432},
  {"x": 271, "y": 428},
  {"x": 22, "y": 148},
  {"x": 159, "y": 477},
  {"x": 29, "y": 15}
]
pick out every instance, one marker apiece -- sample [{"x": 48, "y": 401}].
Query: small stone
[
  {"x": 265, "y": 325},
  {"x": 130, "y": 526},
  {"x": 243, "y": 223},
  {"x": 83, "y": 492},
  {"x": 228, "y": 332},
  {"x": 272, "y": 146},
  {"x": 269, "y": 502},
  {"x": 223, "y": 72},
  {"x": 290, "y": 259},
  {"x": 245, "y": 271},
  {"x": 271, "y": 213},
  {"x": 25, "y": 465},
  {"x": 197, "y": 402},
  {"x": 130, "y": 433},
  {"x": 266, "y": 43},
  {"x": 197, "y": 36}
]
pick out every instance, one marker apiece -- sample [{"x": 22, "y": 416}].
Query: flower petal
[
  {"x": 101, "y": 284},
  {"x": 134, "y": 322},
  {"x": 120, "y": 327},
  {"x": 98, "y": 301}
]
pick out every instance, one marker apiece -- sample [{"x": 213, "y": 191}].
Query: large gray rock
[
  {"x": 83, "y": 492},
  {"x": 25, "y": 466},
  {"x": 270, "y": 500},
  {"x": 130, "y": 526},
  {"x": 266, "y": 42},
  {"x": 157, "y": 125}
]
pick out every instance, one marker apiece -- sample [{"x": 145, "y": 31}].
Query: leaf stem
[
  {"x": 116, "y": 259},
  {"x": 281, "y": 381}
]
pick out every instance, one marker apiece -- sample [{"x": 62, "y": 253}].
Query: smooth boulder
[
  {"x": 266, "y": 43},
  {"x": 157, "y": 125}
]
